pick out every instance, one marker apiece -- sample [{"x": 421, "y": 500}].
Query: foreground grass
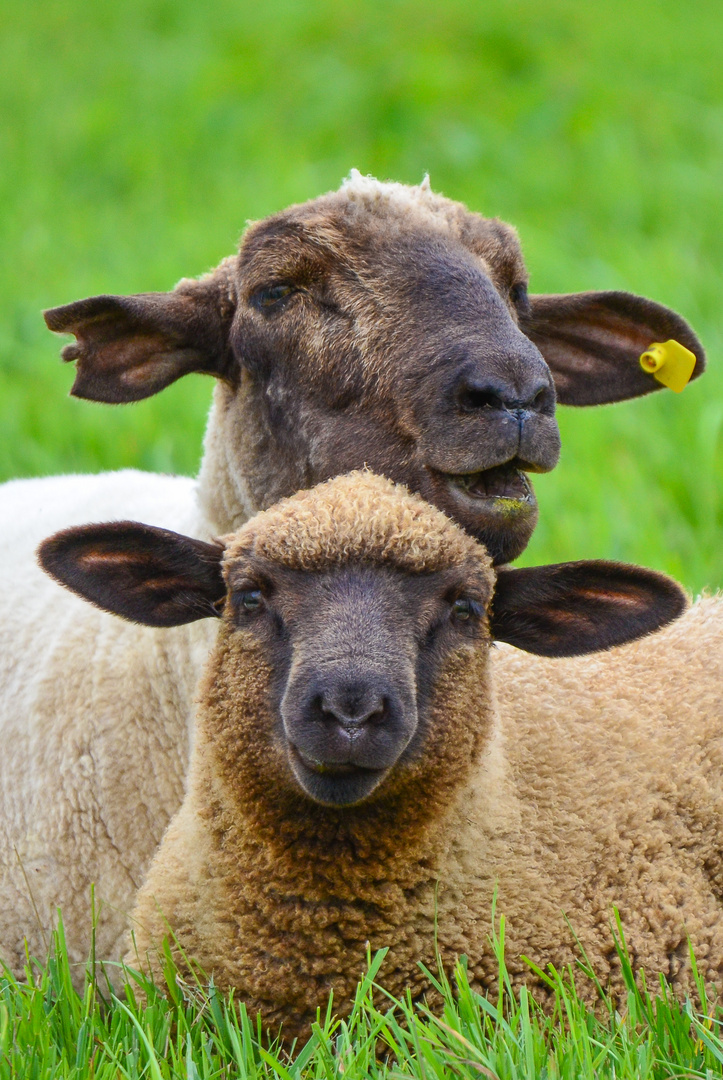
[{"x": 47, "y": 1030}]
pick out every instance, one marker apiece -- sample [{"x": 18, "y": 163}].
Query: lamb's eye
[
  {"x": 464, "y": 608},
  {"x": 266, "y": 298},
  {"x": 252, "y": 600}
]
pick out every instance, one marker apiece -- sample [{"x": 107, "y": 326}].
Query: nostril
[
  {"x": 374, "y": 716},
  {"x": 317, "y": 711},
  {"x": 472, "y": 397},
  {"x": 543, "y": 401}
]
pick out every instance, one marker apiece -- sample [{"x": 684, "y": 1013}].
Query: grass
[
  {"x": 137, "y": 138},
  {"x": 49, "y": 1030}
]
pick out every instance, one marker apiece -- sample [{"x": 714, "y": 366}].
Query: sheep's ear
[
  {"x": 593, "y": 341},
  {"x": 129, "y": 347},
  {"x": 147, "y": 575},
  {"x": 569, "y": 609}
]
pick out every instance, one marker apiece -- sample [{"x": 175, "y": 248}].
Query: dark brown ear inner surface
[
  {"x": 569, "y": 609},
  {"x": 593, "y": 341},
  {"x": 145, "y": 574},
  {"x": 130, "y": 347}
]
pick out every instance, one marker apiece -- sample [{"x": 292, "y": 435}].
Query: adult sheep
[
  {"x": 379, "y": 324},
  {"x": 382, "y": 326},
  {"x": 353, "y": 779}
]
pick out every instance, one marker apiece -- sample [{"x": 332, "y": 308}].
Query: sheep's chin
[{"x": 331, "y": 784}]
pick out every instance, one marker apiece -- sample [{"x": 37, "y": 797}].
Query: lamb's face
[
  {"x": 386, "y": 333},
  {"x": 355, "y": 595},
  {"x": 354, "y": 651}
]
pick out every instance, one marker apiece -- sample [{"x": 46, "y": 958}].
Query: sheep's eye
[
  {"x": 266, "y": 298},
  {"x": 518, "y": 296},
  {"x": 463, "y": 609},
  {"x": 252, "y": 600}
]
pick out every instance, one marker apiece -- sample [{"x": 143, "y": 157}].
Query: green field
[{"x": 137, "y": 138}]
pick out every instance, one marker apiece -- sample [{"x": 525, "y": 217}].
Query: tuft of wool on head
[
  {"x": 373, "y": 194},
  {"x": 401, "y": 206},
  {"x": 367, "y": 189},
  {"x": 356, "y": 516}
]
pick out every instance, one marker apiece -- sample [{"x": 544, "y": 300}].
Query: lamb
[
  {"x": 379, "y": 324},
  {"x": 366, "y": 769}
]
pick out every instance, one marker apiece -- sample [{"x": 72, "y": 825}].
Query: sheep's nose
[
  {"x": 472, "y": 395},
  {"x": 351, "y": 706},
  {"x": 338, "y": 717}
]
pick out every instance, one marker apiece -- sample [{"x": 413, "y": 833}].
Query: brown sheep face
[
  {"x": 354, "y": 653},
  {"x": 391, "y": 342},
  {"x": 379, "y": 325}
]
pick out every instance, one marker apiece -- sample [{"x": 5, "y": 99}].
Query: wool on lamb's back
[{"x": 621, "y": 755}]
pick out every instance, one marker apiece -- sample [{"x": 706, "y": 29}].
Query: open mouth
[
  {"x": 502, "y": 483},
  {"x": 497, "y": 506}
]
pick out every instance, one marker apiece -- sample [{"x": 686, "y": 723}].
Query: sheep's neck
[
  {"x": 245, "y": 467},
  {"x": 299, "y": 913},
  {"x": 302, "y": 888}
]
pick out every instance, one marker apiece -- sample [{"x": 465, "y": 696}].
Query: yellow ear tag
[{"x": 670, "y": 363}]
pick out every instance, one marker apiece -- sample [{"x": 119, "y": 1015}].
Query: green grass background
[{"x": 136, "y": 138}]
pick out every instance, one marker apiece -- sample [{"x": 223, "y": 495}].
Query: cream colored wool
[
  {"x": 573, "y": 786},
  {"x": 95, "y": 721}
]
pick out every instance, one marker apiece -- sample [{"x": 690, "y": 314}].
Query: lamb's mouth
[
  {"x": 503, "y": 488},
  {"x": 329, "y": 768},
  {"x": 333, "y": 783}
]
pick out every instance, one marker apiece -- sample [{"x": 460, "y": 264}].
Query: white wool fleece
[{"x": 94, "y": 718}]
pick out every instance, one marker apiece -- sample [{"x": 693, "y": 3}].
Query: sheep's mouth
[
  {"x": 333, "y": 783},
  {"x": 497, "y": 506},
  {"x": 502, "y": 484},
  {"x": 323, "y": 768},
  {"x": 331, "y": 768}
]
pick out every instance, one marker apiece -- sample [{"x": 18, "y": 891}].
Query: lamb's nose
[
  {"x": 472, "y": 395},
  {"x": 353, "y": 705}
]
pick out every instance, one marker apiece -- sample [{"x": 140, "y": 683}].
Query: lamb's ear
[
  {"x": 593, "y": 341},
  {"x": 129, "y": 347},
  {"x": 147, "y": 575},
  {"x": 569, "y": 609}
]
